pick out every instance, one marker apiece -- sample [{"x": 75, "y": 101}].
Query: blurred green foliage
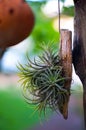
[
  {"x": 15, "y": 113},
  {"x": 69, "y": 11},
  {"x": 43, "y": 30}
]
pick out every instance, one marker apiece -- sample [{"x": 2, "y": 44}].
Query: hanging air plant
[{"x": 45, "y": 81}]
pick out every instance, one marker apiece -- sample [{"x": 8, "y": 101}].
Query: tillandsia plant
[{"x": 43, "y": 81}]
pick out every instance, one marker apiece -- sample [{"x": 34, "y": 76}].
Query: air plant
[{"x": 43, "y": 81}]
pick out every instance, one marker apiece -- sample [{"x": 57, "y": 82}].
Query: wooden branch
[
  {"x": 79, "y": 1},
  {"x": 66, "y": 55},
  {"x": 75, "y": 1},
  {"x": 66, "y": 58},
  {"x": 79, "y": 50}
]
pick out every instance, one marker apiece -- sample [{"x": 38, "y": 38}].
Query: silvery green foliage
[{"x": 43, "y": 81}]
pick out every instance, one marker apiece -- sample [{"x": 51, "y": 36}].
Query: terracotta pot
[{"x": 16, "y": 22}]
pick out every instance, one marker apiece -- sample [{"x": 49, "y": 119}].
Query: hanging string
[{"x": 59, "y": 15}]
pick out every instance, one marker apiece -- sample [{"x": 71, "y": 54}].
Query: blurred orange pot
[{"x": 16, "y": 22}]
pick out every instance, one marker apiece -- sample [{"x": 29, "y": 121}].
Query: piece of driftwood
[
  {"x": 66, "y": 55},
  {"x": 66, "y": 58},
  {"x": 79, "y": 45}
]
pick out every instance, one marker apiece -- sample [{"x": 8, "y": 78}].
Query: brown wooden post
[
  {"x": 66, "y": 55},
  {"x": 66, "y": 58}
]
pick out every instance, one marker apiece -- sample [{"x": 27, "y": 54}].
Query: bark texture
[
  {"x": 66, "y": 58},
  {"x": 79, "y": 48},
  {"x": 66, "y": 55}
]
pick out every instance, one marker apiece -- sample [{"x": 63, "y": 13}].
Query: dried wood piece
[
  {"x": 66, "y": 55},
  {"x": 66, "y": 58}
]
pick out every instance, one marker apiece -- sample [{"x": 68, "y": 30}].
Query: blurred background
[{"x": 15, "y": 113}]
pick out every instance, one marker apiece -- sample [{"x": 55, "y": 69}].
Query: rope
[{"x": 59, "y": 14}]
